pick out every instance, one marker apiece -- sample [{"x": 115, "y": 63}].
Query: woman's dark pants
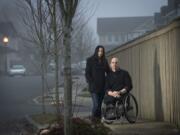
[{"x": 97, "y": 99}]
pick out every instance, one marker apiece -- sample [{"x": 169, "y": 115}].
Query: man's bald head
[{"x": 114, "y": 63}]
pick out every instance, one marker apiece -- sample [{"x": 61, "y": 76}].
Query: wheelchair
[{"x": 125, "y": 106}]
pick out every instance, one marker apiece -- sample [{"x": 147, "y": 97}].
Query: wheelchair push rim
[{"x": 130, "y": 108}]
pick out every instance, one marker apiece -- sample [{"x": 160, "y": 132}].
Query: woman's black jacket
[{"x": 95, "y": 73}]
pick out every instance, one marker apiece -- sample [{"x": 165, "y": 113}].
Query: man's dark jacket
[
  {"x": 95, "y": 74},
  {"x": 118, "y": 80}
]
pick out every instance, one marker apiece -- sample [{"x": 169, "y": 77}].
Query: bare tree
[
  {"x": 56, "y": 34},
  {"x": 46, "y": 33},
  {"x": 83, "y": 41},
  {"x": 35, "y": 19},
  {"x": 67, "y": 10}
]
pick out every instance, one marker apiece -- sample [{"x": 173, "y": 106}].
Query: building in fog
[
  {"x": 3, "y": 51},
  {"x": 167, "y": 13},
  {"x": 118, "y": 30},
  {"x": 7, "y": 50}
]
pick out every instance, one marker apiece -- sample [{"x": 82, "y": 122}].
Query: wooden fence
[{"x": 153, "y": 61}]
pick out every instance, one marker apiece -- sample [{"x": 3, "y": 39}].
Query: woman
[{"x": 96, "y": 69}]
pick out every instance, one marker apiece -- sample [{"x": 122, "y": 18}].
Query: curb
[{"x": 35, "y": 125}]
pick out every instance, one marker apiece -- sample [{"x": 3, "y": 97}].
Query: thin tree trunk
[
  {"x": 43, "y": 84},
  {"x": 67, "y": 10},
  {"x": 57, "y": 85},
  {"x": 67, "y": 82},
  {"x": 56, "y": 55},
  {"x": 43, "y": 57}
]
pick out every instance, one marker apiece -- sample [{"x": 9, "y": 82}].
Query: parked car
[
  {"x": 17, "y": 70},
  {"x": 82, "y": 66},
  {"x": 52, "y": 66},
  {"x": 75, "y": 69}
]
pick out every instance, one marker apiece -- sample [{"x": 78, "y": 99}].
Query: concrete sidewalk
[{"x": 143, "y": 128}]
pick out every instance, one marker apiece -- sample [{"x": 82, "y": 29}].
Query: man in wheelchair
[{"x": 118, "y": 84}]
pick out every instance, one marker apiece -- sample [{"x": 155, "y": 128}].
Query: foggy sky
[
  {"x": 103, "y": 8},
  {"x": 122, "y": 8}
]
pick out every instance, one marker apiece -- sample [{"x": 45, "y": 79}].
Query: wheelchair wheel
[
  {"x": 130, "y": 108},
  {"x": 103, "y": 109},
  {"x": 103, "y": 118},
  {"x": 119, "y": 109}
]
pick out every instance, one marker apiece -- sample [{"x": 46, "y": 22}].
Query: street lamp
[{"x": 5, "y": 41}]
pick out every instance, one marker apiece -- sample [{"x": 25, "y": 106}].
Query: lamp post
[{"x": 5, "y": 41}]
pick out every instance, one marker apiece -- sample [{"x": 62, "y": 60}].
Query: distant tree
[{"x": 83, "y": 41}]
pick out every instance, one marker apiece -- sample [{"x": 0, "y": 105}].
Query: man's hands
[
  {"x": 114, "y": 93},
  {"x": 117, "y": 93}
]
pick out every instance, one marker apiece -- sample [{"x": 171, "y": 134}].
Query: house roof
[{"x": 124, "y": 24}]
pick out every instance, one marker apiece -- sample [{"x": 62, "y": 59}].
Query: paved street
[{"x": 16, "y": 94}]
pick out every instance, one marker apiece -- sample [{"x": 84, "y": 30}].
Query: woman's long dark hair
[{"x": 96, "y": 53}]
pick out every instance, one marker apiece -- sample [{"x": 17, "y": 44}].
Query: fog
[{"x": 21, "y": 59}]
